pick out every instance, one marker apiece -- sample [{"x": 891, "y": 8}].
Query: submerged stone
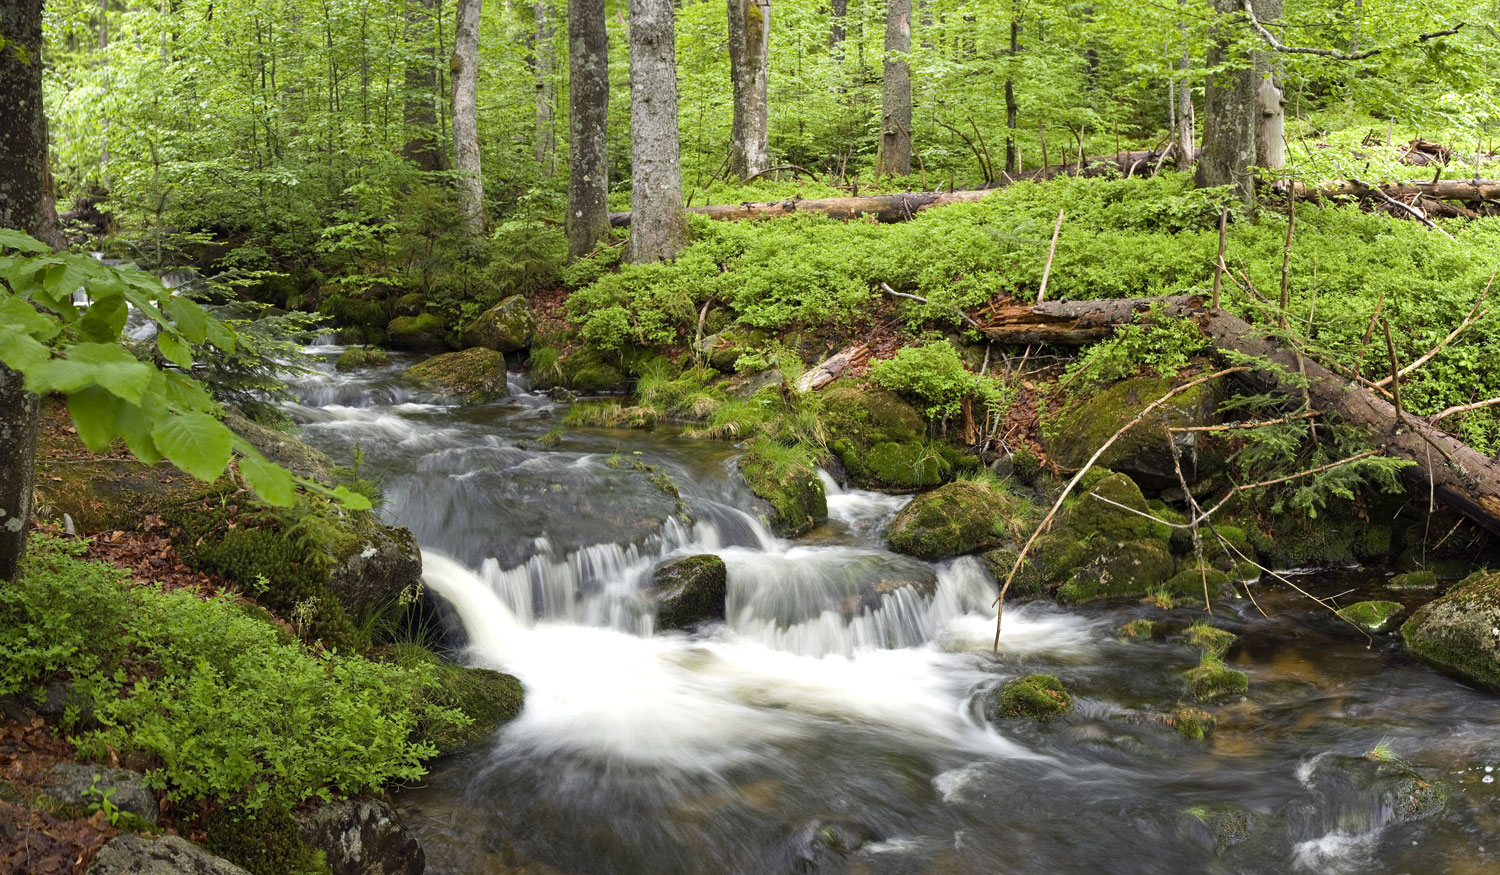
[
  {"x": 506, "y": 327},
  {"x": 954, "y": 519},
  {"x": 1460, "y": 632},
  {"x": 1386, "y": 783},
  {"x": 1223, "y": 825},
  {"x": 1033, "y": 697},
  {"x": 1373, "y": 616},
  {"x": 473, "y": 376},
  {"x": 1191, "y": 723},
  {"x": 690, "y": 591}
]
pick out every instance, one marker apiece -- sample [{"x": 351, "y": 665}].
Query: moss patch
[
  {"x": 1075, "y": 433},
  {"x": 360, "y": 357},
  {"x": 1457, "y": 631},
  {"x": 1212, "y": 680},
  {"x": 1191, "y": 723},
  {"x": 473, "y": 376},
  {"x": 1211, "y": 641},
  {"x": 1098, "y": 511},
  {"x": 957, "y": 518},
  {"x": 882, "y": 440},
  {"x": 490, "y": 699},
  {"x": 1123, "y": 570},
  {"x": 1374, "y": 616},
  {"x": 788, "y": 484},
  {"x": 1033, "y": 697},
  {"x": 1414, "y": 581}
]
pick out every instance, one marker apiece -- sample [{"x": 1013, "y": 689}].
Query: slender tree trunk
[
  {"x": 749, "y": 57},
  {"x": 25, "y": 204},
  {"x": 836, "y": 27},
  {"x": 895, "y": 135},
  {"x": 1270, "y": 141},
  {"x": 465, "y": 67},
  {"x": 1185, "y": 120},
  {"x": 588, "y": 103},
  {"x": 544, "y": 55},
  {"x": 660, "y": 229},
  {"x": 1230, "y": 116},
  {"x": 423, "y": 148},
  {"x": 1012, "y": 110}
]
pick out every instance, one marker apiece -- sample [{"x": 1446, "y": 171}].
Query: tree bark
[
  {"x": 1012, "y": 110},
  {"x": 424, "y": 146},
  {"x": 660, "y": 229},
  {"x": 588, "y": 102},
  {"x": 1229, "y": 110},
  {"x": 1465, "y": 480},
  {"x": 836, "y": 28},
  {"x": 749, "y": 61},
  {"x": 1185, "y": 120},
  {"x": 1270, "y": 142},
  {"x": 895, "y": 92},
  {"x": 544, "y": 64},
  {"x": 26, "y": 205},
  {"x": 465, "y": 68}
]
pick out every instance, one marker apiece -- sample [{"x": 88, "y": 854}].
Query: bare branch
[{"x": 1278, "y": 45}]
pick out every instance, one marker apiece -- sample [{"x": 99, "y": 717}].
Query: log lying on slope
[
  {"x": 1461, "y": 478},
  {"x": 1467, "y": 190}
]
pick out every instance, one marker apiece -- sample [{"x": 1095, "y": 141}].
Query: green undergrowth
[{"x": 230, "y": 716}]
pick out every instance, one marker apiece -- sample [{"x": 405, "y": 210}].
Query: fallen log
[
  {"x": 832, "y": 368},
  {"x": 1466, "y": 190},
  {"x": 1458, "y": 476}
]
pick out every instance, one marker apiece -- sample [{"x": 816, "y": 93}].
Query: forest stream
[{"x": 836, "y": 721}]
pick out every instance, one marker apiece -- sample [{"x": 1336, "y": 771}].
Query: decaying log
[
  {"x": 1064, "y": 323},
  {"x": 1458, "y": 476},
  {"x": 1466, "y": 190},
  {"x": 832, "y": 368},
  {"x": 883, "y": 208}
]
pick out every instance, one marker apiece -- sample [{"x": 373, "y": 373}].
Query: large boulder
[
  {"x": 957, "y": 518},
  {"x": 582, "y": 370},
  {"x": 426, "y": 331},
  {"x": 506, "y": 327},
  {"x": 380, "y": 562},
  {"x": 489, "y": 698},
  {"x": 81, "y": 785},
  {"x": 473, "y": 376},
  {"x": 1105, "y": 549},
  {"x": 1075, "y": 433},
  {"x": 283, "y": 449},
  {"x": 1460, "y": 632},
  {"x": 131, "y": 854},
  {"x": 363, "y": 837},
  {"x": 690, "y": 591},
  {"x": 791, "y": 492},
  {"x": 882, "y": 441}
]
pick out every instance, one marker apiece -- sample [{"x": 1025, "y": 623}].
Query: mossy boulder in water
[
  {"x": 954, "y": 519},
  {"x": 1414, "y": 581},
  {"x": 690, "y": 591},
  {"x": 506, "y": 327},
  {"x": 793, "y": 493},
  {"x": 1222, "y": 825},
  {"x": 1460, "y": 632},
  {"x": 1194, "y": 724},
  {"x": 1212, "y": 680},
  {"x": 1378, "y": 782},
  {"x": 1124, "y": 570},
  {"x": 1374, "y": 616},
  {"x": 1077, "y": 432},
  {"x": 360, "y": 357},
  {"x": 473, "y": 376},
  {"x": 1033, "y": 697},
  {"x": 882, "y": 441},
  {"x": 1111, "y": 509},
  {"x": 427, "y": 331},
  {"x": 490, "y": 699}
]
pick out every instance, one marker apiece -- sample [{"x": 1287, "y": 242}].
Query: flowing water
[{"x": 840, "y": 707}]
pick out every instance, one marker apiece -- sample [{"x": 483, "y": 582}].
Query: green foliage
[
  {"x": 225, "y": 709},
  {"x": 936, "y": 377},
  {"x": 1158, "y": 343}
]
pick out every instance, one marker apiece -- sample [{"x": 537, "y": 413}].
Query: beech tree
[
  {"x": 465, "y": 67},
  {"x": 659, "y": 227},
  {"x": 895, "y": 104},
  {"x": 587, "y": 221},
  {"x": 1231, "y": 119},
  {"x": 424, "y": 148},
  {"x": 543, "y": 62},
  {"x": 749, "y": 60}
]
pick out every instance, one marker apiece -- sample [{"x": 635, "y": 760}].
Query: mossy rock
[
  {"x": 360, "y": 357},
  {"x": 1213, "y": 680},
  {"x": 1383, "y": 783},
  {"x": 610, "y": 414},
  {"x": 1028, "y": 583},
  {"x": 1074, "y": 434},
  {"x": 957, "y": 518},
  {"x": 1092, "y": 513},
  {"x": 1211, "y": 641},
  {"x": 490, "y": 699},
  {"x": 1414, "y": 581},
  {"x": 1138, "y": 630},
  {"x": 1190, "y": 581},
  {"x": 793, "y": 492},
  {"x": 882, "y": 441},
  {"x": 1038, "y": 697},
  {"x": 108, "y": 494},
  {"x": 690, "y": 591},
  {"x": 1458, "y": 631},
  {"x": 409, "y": 304},
  {"x": 268, "y": 842},
  {"x": 283, "y": 449},
  {"x": 1126, "y": 570},
  {"x": 423, "y": 332},
  {"x": 473, "y": 376},
  {"x": 583, "y": 370},
  {"x": 1372, "y": 616},
  {"x": 1442, "y": 567},
  {"x": 506, "y": 327},
  {"x": 1191, "y": 723},
  {"x": 1223, "y": 825},
  {"x": 357, "y": 319}
]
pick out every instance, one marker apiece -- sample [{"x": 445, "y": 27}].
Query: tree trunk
[
  {"x": 424, "y": 148},
  {"x": 1270, "y": 139},
  {"x": 1011, "y": 108},
  {"x": 465, "y": 67},
  {"x": 544, "y": 63},
  {"x": 1185, "y": 120},
  {"x": 836, "y": 29},
  {"x": 660, "y": 229},
  {"x": 1230, "y": 117},
  {"x": 25, "y": 204},
  {"x": 749, "y": 57},
  {"x": 895, "y": 122},
  {"x": 588, "y": 104},
  {"x": 1461, "y": 478}
]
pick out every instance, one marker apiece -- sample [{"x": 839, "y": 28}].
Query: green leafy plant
[{"x": 935, "y": 376}]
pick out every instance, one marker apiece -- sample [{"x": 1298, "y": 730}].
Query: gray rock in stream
[
  {"x": 75, "y": 784},
  {"x": 168, "y": 855},
  {"x": 363, "y": 837},
  {"x": 691, "y": 590}
]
